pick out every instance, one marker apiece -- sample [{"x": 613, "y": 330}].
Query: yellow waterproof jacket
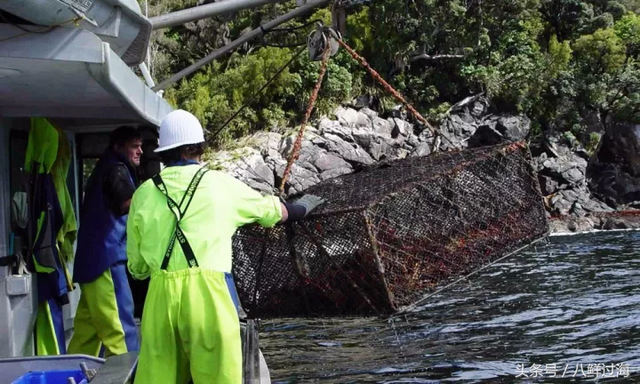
[
  {"x": 220, "y": 205},
  {"x": 69, "y": 231},
  {"x": 49, "y": 147}
]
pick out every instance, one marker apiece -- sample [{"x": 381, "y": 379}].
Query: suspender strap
[{"x": 179, "y": 213}]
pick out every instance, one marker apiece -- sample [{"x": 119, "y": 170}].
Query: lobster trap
[{"x": 390, "y": 234}]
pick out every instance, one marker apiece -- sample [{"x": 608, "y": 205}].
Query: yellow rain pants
[
  {"x": 104, "y": 317},
  {"x": 49, "y": 329},
  {"x": 190, "y": 330}
]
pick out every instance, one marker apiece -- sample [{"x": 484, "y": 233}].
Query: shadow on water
[{"x": 570, "y": 307}]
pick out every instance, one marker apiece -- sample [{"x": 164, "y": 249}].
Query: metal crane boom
[
  {"x": 205, "y": 11},
  {"x": 238, "y": 42}
]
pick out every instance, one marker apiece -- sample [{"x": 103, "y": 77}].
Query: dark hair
[
  {"x": 122, "y": 135},
  {"x": 175, "y": 154}
]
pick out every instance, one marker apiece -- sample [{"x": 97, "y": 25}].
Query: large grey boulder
[
  {"x": 371, "y": 114},
  {"x": 300, "y": 178},
  {"x": 400, "y": 127},
  {"x": 567, "y": 171},
  {"x": 562, "y": 176},
  {"x": 615, "y": 169},
  {"x": 268, "y": 143},
  {"x": 469, "y": 124},
  {"x": 500, "y": 129},
  {"x": 423, "y": 149},
  {"x": 471, "y": 108},
  {"x": 248, "y": 165},
  {"x": 348, "y": 151},
  {"x": 333, "y": 127},
  {"x": 570, "y": 201},
  {"x": 462, "y": 121},
  {"x": 371, "y": 133},
  {"x": 349, "y": 117},
  {"x": 548, "y": 184},
  {"x": 378, "y": 146},
  {"x": 382, "y": 127},
  {"x": 456, "y": 132}
]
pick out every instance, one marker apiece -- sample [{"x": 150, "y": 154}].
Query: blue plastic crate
[{"x": 51, "y": 377}]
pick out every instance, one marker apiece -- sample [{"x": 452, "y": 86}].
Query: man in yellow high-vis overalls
[{"x": 179, "y": 232}]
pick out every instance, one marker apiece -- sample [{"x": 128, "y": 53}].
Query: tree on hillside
[
  {"x": 558, "y": 61},
  {"x": 608, "y": 71}
]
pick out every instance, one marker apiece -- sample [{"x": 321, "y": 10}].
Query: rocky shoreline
[
  {"x": 596, "y": 222},
  {"x": 355, "y": 138}
]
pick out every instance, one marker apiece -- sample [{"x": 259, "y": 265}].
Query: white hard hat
[{"x": 179, "y": 128}]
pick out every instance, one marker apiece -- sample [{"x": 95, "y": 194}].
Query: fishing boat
[{"x": 82, "y": 66}]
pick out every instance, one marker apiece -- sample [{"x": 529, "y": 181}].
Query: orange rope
[
  {"x": 295, "y": 152},
  {"x": 385, "y": 85}
]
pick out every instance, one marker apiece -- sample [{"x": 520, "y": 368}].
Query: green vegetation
[{"x": 562, "y": 62}]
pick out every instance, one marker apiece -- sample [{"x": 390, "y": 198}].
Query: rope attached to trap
[
  {"x": 295, "y": 151},
  {"x": 387, "y": 87}
]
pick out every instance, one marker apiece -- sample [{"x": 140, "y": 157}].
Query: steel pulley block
[{"x": 318, "y": 40}]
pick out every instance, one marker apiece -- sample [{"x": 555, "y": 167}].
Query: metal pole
[
  {"x": 204, "y": 11},
  {"x": 146, "y": 74},
  {"x": 238, "y": 42},
  {"x": 148, "y": 55}
]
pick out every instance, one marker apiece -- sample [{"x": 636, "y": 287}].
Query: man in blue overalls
[{"x": 104, "y": 318}]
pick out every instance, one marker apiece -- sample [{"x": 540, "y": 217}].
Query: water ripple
[{"x": 574, "y": 302}]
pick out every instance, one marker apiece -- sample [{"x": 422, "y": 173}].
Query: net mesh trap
[{"x": 390, "y": 234}]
